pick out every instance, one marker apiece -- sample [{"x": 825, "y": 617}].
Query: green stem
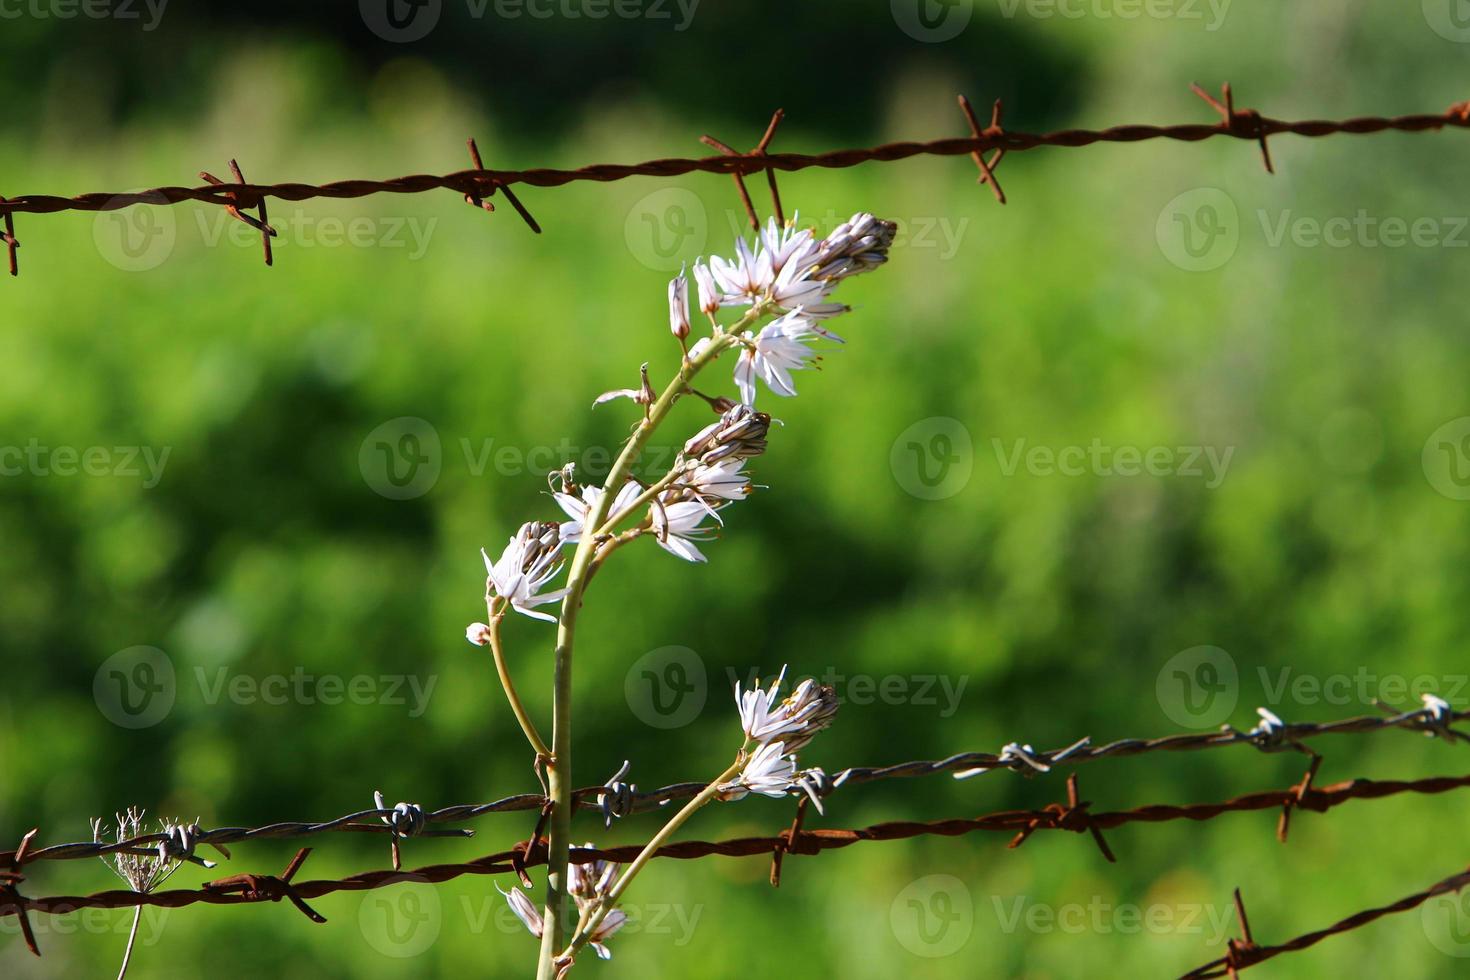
[
  {"x": 610, "y": 901},
  {"x": 497, "y": 614},
  {"x": 642, "y": 500},
  {"x": 555, "y": 915}
]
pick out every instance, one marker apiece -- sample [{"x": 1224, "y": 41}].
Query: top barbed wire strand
[
  {"x": 1240, "y": 124},
  {"x": 1265, "y": 737}
]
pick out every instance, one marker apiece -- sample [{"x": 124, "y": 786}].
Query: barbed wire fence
[
  {"x": 479, "y": 184},
  {"x": 617, "y": 798}
]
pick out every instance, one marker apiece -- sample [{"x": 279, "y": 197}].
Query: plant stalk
[{"x": 556, "y": 913}]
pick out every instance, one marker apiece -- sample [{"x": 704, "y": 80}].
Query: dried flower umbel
[
  {"x": 777, "y": 297},
  {"x": 141, "y": 872}
]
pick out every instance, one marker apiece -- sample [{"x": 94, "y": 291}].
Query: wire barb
[
  {"x": 759, "y": 151},
  {"x": 1242, "y": 123},
  {"x": 241, "y": 202},
  {"x": 987, "y": 169},
  {"x": 269, "y": 888},
  {"x": 12, "y": 902},
  {"x": 496, "y": 184},
  {"x": 11, "y": 242}
]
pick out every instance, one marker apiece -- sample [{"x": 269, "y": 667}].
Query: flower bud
[{"x": 679, "y": 306}]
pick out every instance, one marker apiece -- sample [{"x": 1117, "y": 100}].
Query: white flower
[
  {"x": 677, "y": 525},
  {"x": 769, "y": 771},
  {"x": 478, "y": 634},
  {"x": 679, "y": 305},
  {"x": 524, "y": 910},
  {"x": 529, "y": 561},
  {"x": 723, "y": 480},
  {"x": 610, "y": 924},
  {"x": 577, "y": 508},
  {"x": 745, "y": 278},
  {"x": 771, "y": 355},
  {"x": 709, "y": 290},
  {"x": 590, "y": 882},
  {"x": 795, "y": 720},
  {"x": 789, "y": 249}
]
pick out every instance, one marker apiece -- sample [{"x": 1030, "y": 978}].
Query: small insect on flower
[{"x": 529, "y": 561}]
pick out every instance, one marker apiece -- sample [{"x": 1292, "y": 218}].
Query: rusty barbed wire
[
  {"x": 479, "y": 183},
  {"x": 618, "y": 798},
  {"x": 1075, "y": 817},
  {"x": 1244, "y": 953}
]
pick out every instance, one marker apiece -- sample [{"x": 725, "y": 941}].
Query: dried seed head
[{"x": 141, "y": 872}]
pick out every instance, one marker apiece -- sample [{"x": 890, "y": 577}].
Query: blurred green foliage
[{"x": 1051, "y": 604}]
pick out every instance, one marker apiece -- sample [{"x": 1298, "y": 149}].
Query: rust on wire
[
  {"x": 1436, "y": 719},
  {"x": 1072, "y": 816},
  {"x": 533, "y": 853},
  {"x": 269, "y": 888},
  {"x": 472, "y": 196},
  {"x": 1244, "y": 124},
  {"x": 11, "y": 242},
  {"x": 987, "y": 167},
  {"x": 758, "y": 153},
  {"x": 10, "y": 896},
  {"x": 1242, "y": 954},
  {"x": 241, "y": 201}
]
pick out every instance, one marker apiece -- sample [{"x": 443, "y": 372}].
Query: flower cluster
[
  {"x": 142, "y": 872},
  {"x": 781, "y": 728},
  {"x": 788, "y": 270},
  {"x": 589, "y": 885}
]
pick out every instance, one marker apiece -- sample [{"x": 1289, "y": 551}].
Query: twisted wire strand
[
  {"x": 805, "y": 842},
  {"x": 1268, "y": 738},
  {"x": 1243, "y": 124}
]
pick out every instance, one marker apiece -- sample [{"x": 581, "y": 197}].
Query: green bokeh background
[{"x": 1333, "y": 549}]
